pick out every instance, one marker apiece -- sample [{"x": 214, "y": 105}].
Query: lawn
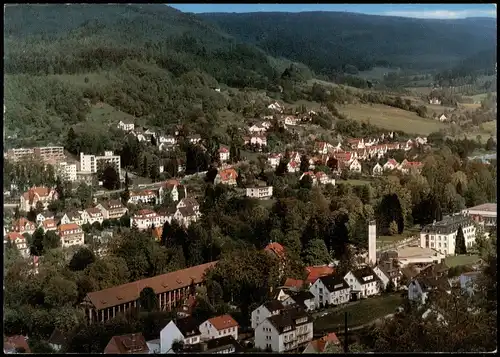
[
  {"x": 105, "y": 113},
  {"x": 386, "y": 240},
  {"x": 361, "y": 313},
  {"x": 392, "y": 118},
  {"x": 456, "y": 260}
]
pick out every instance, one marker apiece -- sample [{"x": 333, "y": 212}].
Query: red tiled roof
[
  {"x": 293, "y": 283},
  {"x": 94, "y": 211},
  {"x": 223, "y": 150},
  {"x": 293, "y": 163},
  {"x": 68, "y": 227},
  {"x": 223, "y": 322},
  {"x": 343, "y": 156},
  {"x": 320, "y": 174},
  {"x": 127, "y": 344},
  {"x": 40, "y": 191},
  {"x": 125, "y": 293},
  {"x": 228, "y": 174},
  {"x": 276, "y": 248},
  {"x": 316, "y": 272},
  {"x": 144, "y": 212},
  {"x": 13, "y": 236},
  {"x": 16, "y": 341},
  {"x": 392, "y": 162},
  {"x": 48, "y": 223}
]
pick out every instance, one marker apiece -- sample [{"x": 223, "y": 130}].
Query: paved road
[{"x": 10, "y": 205}]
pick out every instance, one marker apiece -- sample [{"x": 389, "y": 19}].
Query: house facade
[
  {"x": 269, "y": 308},
  {"x": 34, "y": 195},
  {"x": 112, "y": 209},
  {"x": 363, "y": 282},
  {"x": 287, "y": 331},
  {"x": 71, "y": 234},
  {"x": 22, "y": 225},
  {"x": 185, "y": 330},
  {"x": 145, "y": 219},
  {"x": 441, "y": 235},
  {"x": 260, "y": 192},
  {"x": 331, "y": 290},
  {"x": 19, "y": 241},
  {"x": 220, "y": 326}
]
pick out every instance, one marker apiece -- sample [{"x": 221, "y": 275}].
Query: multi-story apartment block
[
  {"x": 91, "y": 163},
  {"x": 112, "y": 209},
  {"x": 44, "y": 153},
  {"x": 331, "y": 290},
  {"x": 71, "y": 234},
  {"x": 287, "y": 331},
  {"x": 441, "y": 235},
  {"x": 66, "y": 171}
]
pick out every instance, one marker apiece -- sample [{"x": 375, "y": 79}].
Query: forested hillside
[
  {"x": 150, "y": 61},
  {"x": 328, "y": 41}
]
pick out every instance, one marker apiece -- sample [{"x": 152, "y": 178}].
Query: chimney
[
  {"x": 133, "y": 337},
  {"x": 372, "y": 242}
]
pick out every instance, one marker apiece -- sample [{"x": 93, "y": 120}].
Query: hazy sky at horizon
[{"x": 431, "y": 11}]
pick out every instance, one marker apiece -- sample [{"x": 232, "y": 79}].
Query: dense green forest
[{"x": 329, "y": 41}]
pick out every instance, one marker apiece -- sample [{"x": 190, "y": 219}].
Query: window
[{"x": 220, "y": 333}]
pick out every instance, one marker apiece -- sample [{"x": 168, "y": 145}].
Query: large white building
[
  {"x": 90, "y": 163},
  {"x": 66, "y": 171},
  {"x": 287, "y": 331},
  {"x": 441, "y": 235}
]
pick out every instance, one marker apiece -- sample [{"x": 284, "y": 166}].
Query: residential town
[{"x": 210, "y": 182}]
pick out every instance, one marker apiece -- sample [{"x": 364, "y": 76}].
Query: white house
[
  {"x": 185, "y": 330},
  {"x": 442, "y": 118},
  {"x": 146, "y": 197},
  {"x": 276, "y": 107},
  {"x": 126, "y": 126},
  {"x": 441, "y": 235},
  {"x": 223, "y": 154},
  {"x": 42, "y": 216},
  {"x": 274, "y": 160},
  {"x": 291, "y": 120},
  {"x": 269, "y": 308},
  {"x": 72, "y": 217},
  {"x": 186, "y": 215},
  {"x": 19, "y": 241},
  {"x": 331, "y": 289},
  {"x": 264, "y": 192},
  {"x": 434, "y": 101},
  {"x": 219, "y": 326},
  {"x": 391, "y": 164},
  {"x": 289, "y": 330},
  {"x": 257, "y": 129},
  {"x": 419, "y": 288},
  {"x": 92, "y": 215},
  {"x": 146, "y": 218},
  {"x": 304, "y": 299},
  {"x": 363, "y": 282},
  {"x": 355, "y": 166},
  {"x": 377, "y": 170},
  {"x": 167, "y": 139},
  {"x": 172, "y": 186}
]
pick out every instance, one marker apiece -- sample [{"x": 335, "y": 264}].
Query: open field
[
  {"x": 376, "y": 73},
  {"x": 461, "y": 260},
  {"x": 361, "y": 313},
  {"x": 105, "y": 113},
  {"x": 392, "y": 118}
]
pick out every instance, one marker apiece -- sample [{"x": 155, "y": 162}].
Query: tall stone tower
[{"x": 372, "y": 242}]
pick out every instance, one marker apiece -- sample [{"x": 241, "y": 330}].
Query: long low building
[
  {"x": 418, "y": 255},
  {"x": 485, "y": 214},
  {"x": 170, "y": 288}
]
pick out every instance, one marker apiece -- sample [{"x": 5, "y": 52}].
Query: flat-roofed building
[
  {"x": 418, "y": 255},
  {"x": 485, "y": 214}
]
